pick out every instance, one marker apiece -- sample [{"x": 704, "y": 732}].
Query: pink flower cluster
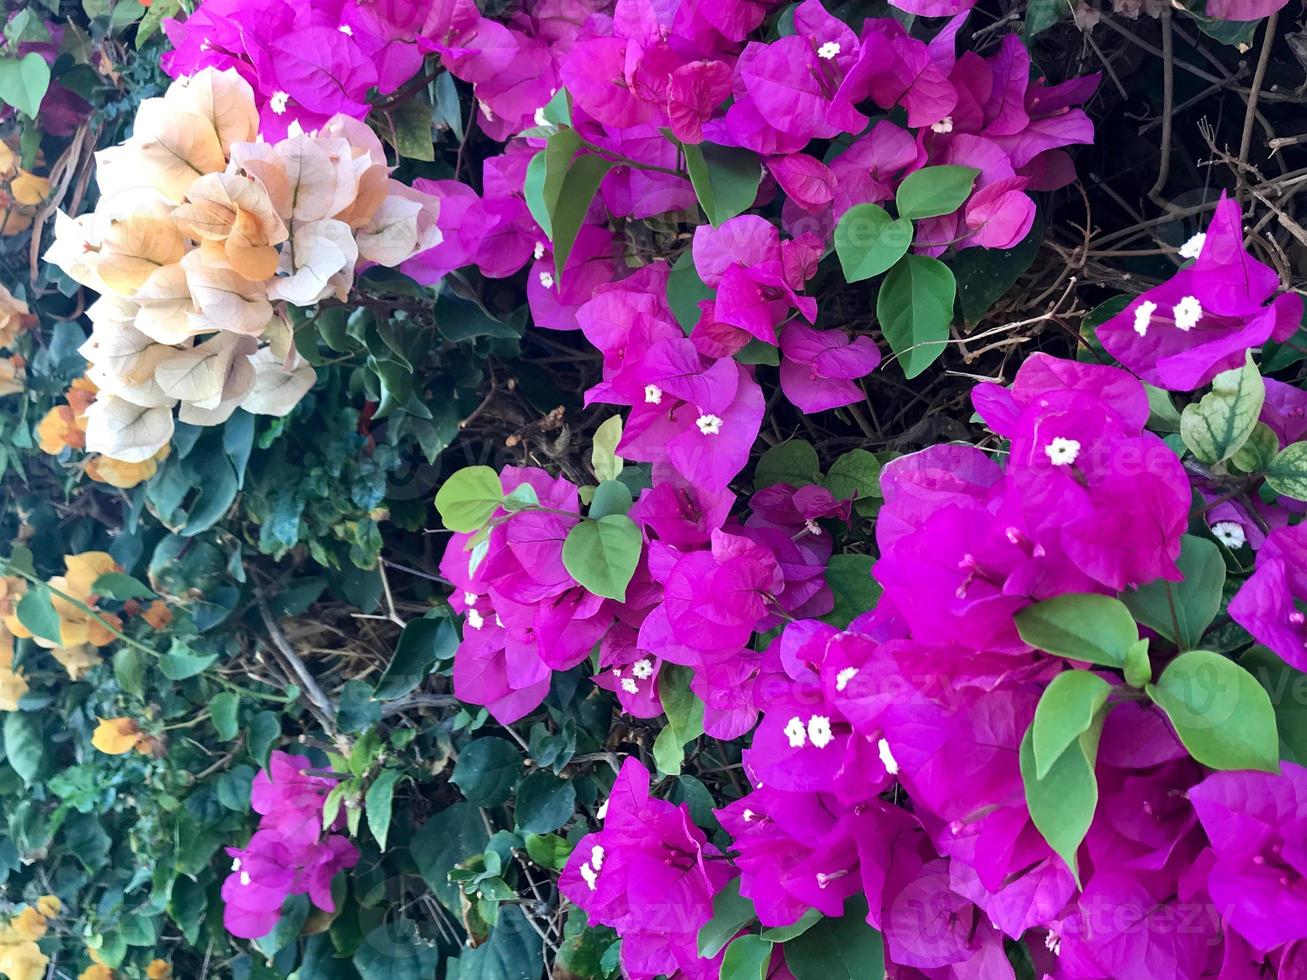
[{"x": 290, "y": 853}]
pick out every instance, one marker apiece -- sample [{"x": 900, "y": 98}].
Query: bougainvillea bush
[{"x": 584, "y": 490}]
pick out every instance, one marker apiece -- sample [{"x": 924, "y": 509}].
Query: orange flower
[
  {"x": 158, "y": 615},
  {"x": 29, "y": 189},
  {"x": 28, "y": 924},
  {"x": 97, "y": 971},
  {"x": 60, "y": 430},
  {"x": 23, "y": 961},
  {"x": 15, "y": 316},
  {"x": 159, "y": 970},
  {"x": 124, "y": 476},
  {"x": 117, "y": 736},
  {"x": 49, "y": 906}
]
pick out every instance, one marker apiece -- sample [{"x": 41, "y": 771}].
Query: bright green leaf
[
  {"x": 23, "y": 82},
  {"x": 1287, "y": 473},
  {"x": 574, "y": 196},
  {"x": 725, "y": 178},
  {"x": 1094, "y": 628},
  {"x": 730, "y": 913},
  {"x": 933, "y": 191},
  {"x": 1216, "y": 426},
  {"x": 1258, "y": 452},
  {"x": 602, "y": 554},
  {"x": 915, "y": 308},
  {"x": 854, "y": 475},
  {"x": 545, "y": 173},
  {"x": 1063, "y": 802},
  {"x": 224, "y": 709},
  {"x": 794, "y": 462},
  {"x": 1222, "y": 715},
  {"x": 378, "y": 804},
  {"x": 36, "y": 612},
  {"x": 843, "y": 948},
  {"x": 747, "y": 958},
  {"x": 868, "y": 241},
  {"x": 116, "y": 585},
  {"x": 468, "y": 498},
  {"x": 1066, "y": 709},
  {"x": 1191, "y": 604},
  {"x": 603, "y": 450}
]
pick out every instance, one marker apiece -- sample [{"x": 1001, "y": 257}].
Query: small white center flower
[
  {"x": 1062, "y": 452},
  {"x": 819, "y": 732},
  {"x": 602, "y": 811},
  {"x": 1144, "y": 316},
  {"x": 1194, "y": 247},
  {"x": 709, "y": 425},
  {"x": 278, "y": 102},
  {"x": 829, "y": 50},
  {"x": 485, "y": 110},
  {"x": 547, "y": 280},
  {"x": 346, "y": 30},
  {"x": 589, "y": 875},
  {"x": 470, "y": 599},
  {"x": 236, "y": 864},
  {"x": 1053, "y": 943},
  {"x": 642, "y": 669},
  {"x": 749, "y": 816},
  {"x": 887, "y": 758},
  {"x": 1230, "y": 533},
  {"x": 539, "y": 251},
  {"x": 796, "y": 733},
  {"x": 1187, "y": 312},
  {"x": 844, "y": 676},
  {"x": 945, "y": 125},
  {"x": 812, "y": 527},
  {"x": 539, "y": 117},
  {"x": 630, "y": 686},
  {"x": 597, "y": 857},
  {"x": 245, "y": 878},
  {"x": 475, "y": 619},
  {"x": 653, "y": 395}
]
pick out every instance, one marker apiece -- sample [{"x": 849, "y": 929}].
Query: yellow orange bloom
[
  {"x": 12, "y": 375},
  {"x": 116, "y": 736},
  {"x": 29, "y": 189},
  {"x": 28, "y": 924},
  {"x": 60, "y": 430},
  {"x": 15, "y": 317},
  {"x": 49, "y": 906},
  {"x": 97, "y": 971},
  {"x": 23, "y": 961},
  {"x": 159, "y": 970},
  {"x": 158, "y": 615}
]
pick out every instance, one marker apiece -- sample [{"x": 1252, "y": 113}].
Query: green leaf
[
  {"x": 549, "y": 850},
  {"x": 1196, "y": 600},
  {"x": 224, "y": 709},
  {"x": 514, "y": 951},
  {"x": 378, "y": 803},
  {"x": 129, "y": 670},
  {"x": 1063, "y": 802},
  {"x": 544, "y": 803},
  {"x": 1094, "y": 628},
  {"x": 794, "y": 462},
  {"x": 684, "y": 718},
  {"x": 845, "y": 948},
  {"x": 181, "y": 662},
  {"x": 686, "y": 290},
  {"x": 725, "y": 178},
  {"x": 116, "y": 585},
  {"x": 1162, "y": 414},
  {"x": 602, "y": 554},
  {"x": 23, "y": 82},
  {"x": 487, "y": 770},
  {"x": 854, "y": 475},
  {"x": 1066, "y": 709},
  {"x": 915, "y": 308},
  {"x": 574, "y": 196},
  {"x": 1287, "y": 473},
  {"x": 984, "y": 275},
  {"x": 730, "y": 914},
  {"x": 36, "y": 612},
  {"x": 412, "y": 123},
  {"x": 545, "y": 173},
  {"x": 1258, "y": 452},
  {"x": 932, "y": 191},
  {"x": 153, "y": 20},
  {"x": 747, "y": 958},
  {"x": 603, "y": 450},
  {"x": 446, "y": 840},
  {"x": 424, "y": 643},
  {"x": 24, "y": 744},
  {"x": 1138, "y": 666},
  {"x": 395, "y": 951},
  {"x": 1043, "y": 14},
  {"x": 1215, "y": 427},
  {"x": 610, "y": 497},
  {"x": 782, "y": 934},
  {"x": 849, "y": 577},
  {"x": 468, "y": 498},
  {"x": 1222, "y": 715},
  {"x": 868, "y": 241},
  {"x": 1287, "y": 689}
]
